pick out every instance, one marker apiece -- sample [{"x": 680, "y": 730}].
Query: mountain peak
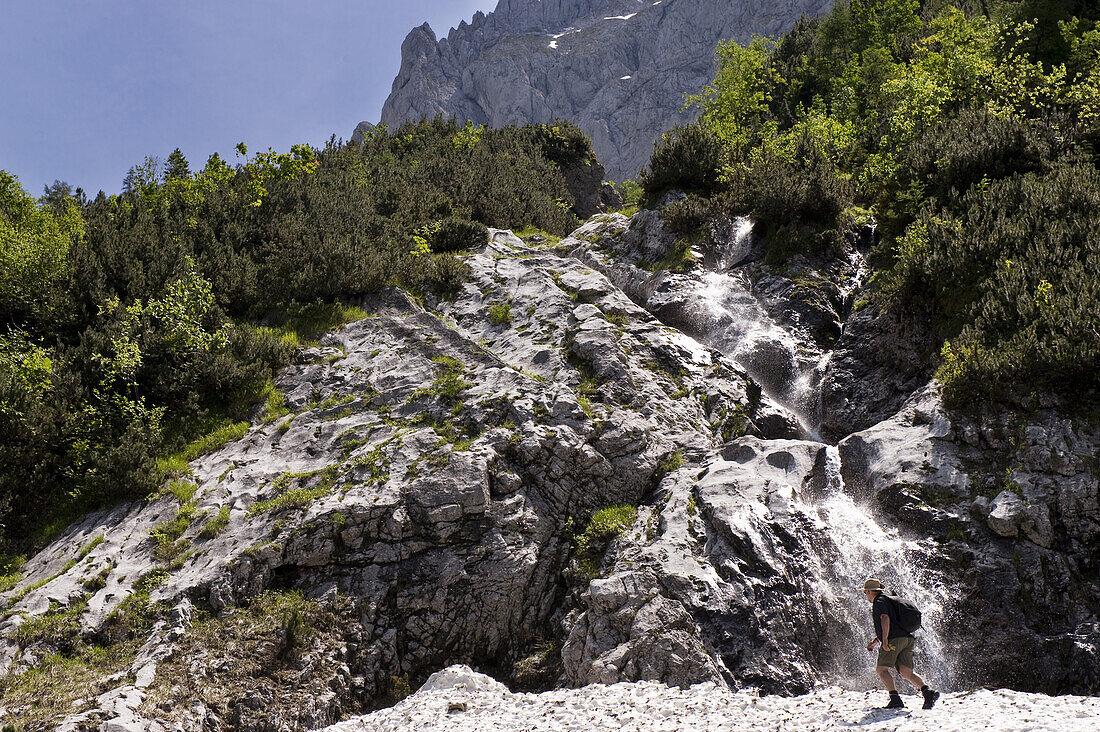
[{"x": 619, "y": 69}]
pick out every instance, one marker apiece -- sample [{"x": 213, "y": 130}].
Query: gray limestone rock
[
  {"x": 429, "y": 485},
  {"x": 1006, "y": 514},
  {"x": 617, "y": 68},
  {"x": 443, "y": 513},
  {"x": 1021, "y": 562}
]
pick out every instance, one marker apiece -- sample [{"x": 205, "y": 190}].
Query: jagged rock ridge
[{"x": 617, "y": 68}]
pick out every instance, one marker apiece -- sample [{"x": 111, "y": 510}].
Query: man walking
[{"x": 897, "y": 647}]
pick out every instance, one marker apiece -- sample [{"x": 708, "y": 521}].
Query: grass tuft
[
  {"x": 500, "y": 314},
  {"x": 603, "y": 527}
]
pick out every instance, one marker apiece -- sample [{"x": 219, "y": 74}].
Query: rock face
[
  {"x": 617, "y": 68},
  {"x": 431, "y": 493},
  {"x": 1013, "y": 501}
]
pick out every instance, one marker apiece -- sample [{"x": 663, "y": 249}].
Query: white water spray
[
  {"x": 741, "y": 328},
  {"x": 864, "y": 548},
  {"x": 854, "y": 545}
]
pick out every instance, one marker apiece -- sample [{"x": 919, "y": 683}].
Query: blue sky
[{"x": 88, "y": 88}]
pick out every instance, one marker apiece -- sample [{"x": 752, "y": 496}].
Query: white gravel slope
[{"x": 460, "y": 700}]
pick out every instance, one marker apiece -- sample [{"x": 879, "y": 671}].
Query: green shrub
[
  {"x": 216, "y": 525},
  {"x": 167, "y": 544},
  {"x": 974, "y": 147},
  {"x": 780, "y": 190},
  {"x": 689, "y": 216},
  {"x": 564, "y": 144},
  {"x": 183, "y": 490},
  {"x": 1011, "y": 283},
  {"x": 10, "y": 573},
  {"x": 603, "y": 527},
  {"x": 58, "y": 627},
  {"x": 689, "y": 159},
  {"x": 669, "y": 464},
  {"x": 457, "y": 235}
]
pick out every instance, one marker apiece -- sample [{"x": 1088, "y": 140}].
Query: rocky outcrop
[
  {"x": 617, "y": 68},
  {"x": 721, "y": 549},
  {"x": 429, "y": 468},
  {"x": 439, "y": 464},
  {"x": 1013, "y": 502}
]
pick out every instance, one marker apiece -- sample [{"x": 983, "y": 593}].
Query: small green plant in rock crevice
[
  {"x": 572, "y": 293},
  {"x": 500, "y": 313},
  {"x": 58, "y": 627},
  {"x": 169, "y": 548},
  {"x": 602, "y": 528},
  {"x": 285, "y": 498},
  {"x": 669, "y": 464},
  {"x": 10, "y": 573},
  {"x": 177, "y": 463},
  {"x": 215, "y": 525},
  {"x": 448, "y": 384}
]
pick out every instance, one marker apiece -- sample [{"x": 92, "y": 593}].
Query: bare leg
[
  {"x": 912, "y": 678},
  {"x": 887, "y": 678}
]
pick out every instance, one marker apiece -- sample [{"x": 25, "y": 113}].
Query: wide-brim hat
[{"x": 873, "y": 585}]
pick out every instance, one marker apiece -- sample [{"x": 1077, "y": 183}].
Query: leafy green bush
[
  {"x": 563, "y": 143},
  {"x": 689, "y": 215},
  {"x": 1012, "y": 282},
  {"x": 799, "y": 186},
  {"x": 976, "y": 146}
]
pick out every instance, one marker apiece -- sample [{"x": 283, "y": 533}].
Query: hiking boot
[
  {"x": 930, "y": 697},
  {"x": 895, "y": 701}
]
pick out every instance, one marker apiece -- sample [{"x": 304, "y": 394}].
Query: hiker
[{"x": 897, "y": 646}]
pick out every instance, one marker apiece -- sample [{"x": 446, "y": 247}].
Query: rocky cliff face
[
  {"x": 430, "y": 497},
  {"x": 617, "y": 68}
]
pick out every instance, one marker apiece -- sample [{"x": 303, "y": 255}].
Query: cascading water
[
  {"x": 853, "y": 545},
  {"x": 861, "y": 548},
  {"x": 740, "y": 327}
]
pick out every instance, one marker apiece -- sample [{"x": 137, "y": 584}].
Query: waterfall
[
  {"x": 862, "y": 548},
  {"x": 848, "y": 543},
  {"x": 739, "y": 326}
]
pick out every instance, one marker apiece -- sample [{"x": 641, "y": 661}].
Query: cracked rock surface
[
  {"x": 619, "y": 69},
  {"x": 425, "y": 500}
]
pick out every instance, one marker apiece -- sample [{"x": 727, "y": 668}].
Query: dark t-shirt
[{"x": 883, "y": 606}]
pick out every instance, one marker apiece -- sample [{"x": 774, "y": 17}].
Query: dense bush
[
  {"x": 689, "y": 159},
  {"x": 1013, "y": 279},
  {"x": 563, "y": 143},
  {"x": 690, "y": 214},
  {"x": 975, "y": 146},
  {"x": 136, "y": 322},
  {"x": 969, "y": 130},
  {"x": 456, "y": 235},
  {"x": 803, "y": 188}
]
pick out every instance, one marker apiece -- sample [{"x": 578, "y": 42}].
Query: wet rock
[{"x": 879, "y": 361}]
